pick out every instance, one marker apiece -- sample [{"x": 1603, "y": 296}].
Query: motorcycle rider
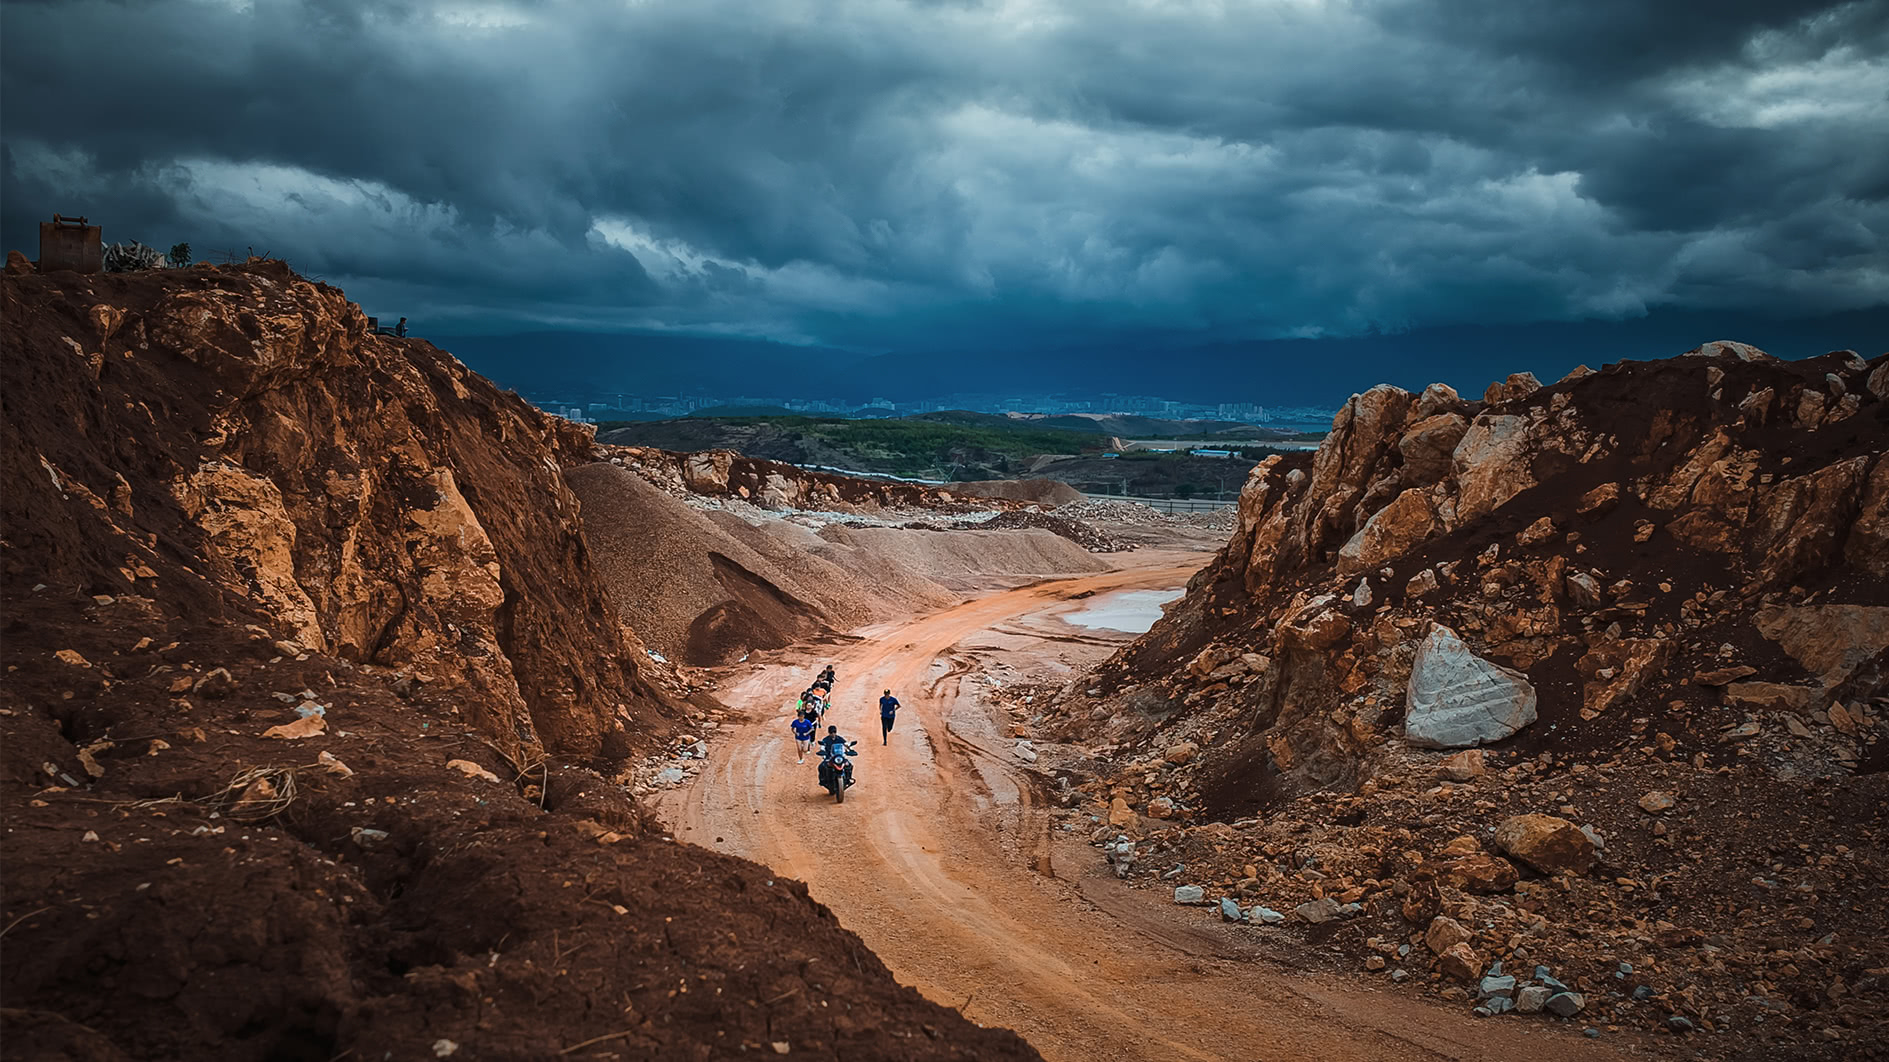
[
  {"x": 833, "y": 756},
  {"x": 888, "y": 712}
]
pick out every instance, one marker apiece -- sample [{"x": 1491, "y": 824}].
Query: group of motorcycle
[{"x": 835, "y": 752}]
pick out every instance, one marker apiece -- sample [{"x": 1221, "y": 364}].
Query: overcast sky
[{"x": 877, "y": 174}]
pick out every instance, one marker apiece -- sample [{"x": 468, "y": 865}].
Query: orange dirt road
[{"x": 942, "y": 860}]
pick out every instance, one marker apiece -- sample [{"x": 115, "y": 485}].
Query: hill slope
[
  {"x": 310, "y": 682},
  {"x": 1657, "y": 596}
]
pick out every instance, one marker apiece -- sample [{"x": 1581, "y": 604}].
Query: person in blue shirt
[
  {"x": 888, "y": 711},
  {"x": 803, "y": 727}
]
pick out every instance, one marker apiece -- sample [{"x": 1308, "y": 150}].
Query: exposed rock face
[
  {"x": 1457, "y": 699},
  {"x": 249, "y": 544},
  {"x": 778, "y": 485},
  {"x": 364, "y": 496},
  {"x": 1389, "y": 533},
  {"x": 1600, "y": 539}
]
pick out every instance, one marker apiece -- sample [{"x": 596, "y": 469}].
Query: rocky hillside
[
  {"x": 1650, "y": 604},
  {"x": 707, "y": 579},
  {"x": 778, "y": 485},
  {"x": 312, "y": 693}
]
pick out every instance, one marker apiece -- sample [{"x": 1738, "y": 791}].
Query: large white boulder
[{"x": 1457, "y": 699}]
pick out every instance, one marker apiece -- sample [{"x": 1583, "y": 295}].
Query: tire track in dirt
[{"x": 915, "y": 862}]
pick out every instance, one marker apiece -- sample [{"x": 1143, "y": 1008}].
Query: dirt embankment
[
  {"x": 709, "y": 586},
  {"x": 1048, "y": 492},
  {"x": 310, "y": 680},
  {"x": 1658, "y": 594},
  {"x": 780, "y": 486}
]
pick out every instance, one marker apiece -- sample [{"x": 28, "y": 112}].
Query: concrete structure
[{"x": 69, "y": 243}]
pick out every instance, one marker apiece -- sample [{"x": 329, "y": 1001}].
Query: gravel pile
[{"x": 1083, "y": 534}]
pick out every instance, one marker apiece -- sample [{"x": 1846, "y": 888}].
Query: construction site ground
[{"x": 949, "y": 857}]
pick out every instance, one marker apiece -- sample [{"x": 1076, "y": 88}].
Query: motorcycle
[{"x": 836, "y": 775}]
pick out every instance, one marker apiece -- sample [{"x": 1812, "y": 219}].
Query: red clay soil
[{"x": 181, "y": 887}]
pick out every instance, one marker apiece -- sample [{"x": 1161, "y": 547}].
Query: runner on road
[
  {"x": 804, "y": 727},
  {"x": 888, "y": 711}
]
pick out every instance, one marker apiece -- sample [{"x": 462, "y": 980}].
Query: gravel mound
[
  {"x": 1086, "y": 535},
  {"x": 690, "y": 589},
  {"x": 1041, "y": 491}
]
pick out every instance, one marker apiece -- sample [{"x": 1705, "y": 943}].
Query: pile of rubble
[
  {"x": 1081, "y": 532},
  {"x": 1651, "y": 606},
  {"x": 1113, "y": 512}
]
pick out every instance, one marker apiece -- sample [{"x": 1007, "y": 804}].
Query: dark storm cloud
[{"x": 884, "y": 174}]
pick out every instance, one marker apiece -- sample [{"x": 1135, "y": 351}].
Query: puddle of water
[{"x": 1130, "y": 611}]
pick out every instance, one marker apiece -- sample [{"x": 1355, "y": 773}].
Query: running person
[
  {"x": 888, "y": 712},
  {"x": 804, "y": 727}
]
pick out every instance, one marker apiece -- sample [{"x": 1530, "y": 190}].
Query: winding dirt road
[{"x": 943, "y": 860}]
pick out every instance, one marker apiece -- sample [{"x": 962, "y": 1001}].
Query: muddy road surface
[{"x": 946, "y": 860}]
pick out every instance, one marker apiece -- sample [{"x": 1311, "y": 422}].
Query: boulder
[
  {"x": 1657, "y": 802},
  {"x": 1565, "y": 1004},
  {"x": 1456, "y": 699},
  {"x": 1230, "y": 911},
  {"x": 1518, "y": 385},
  {"x": 1480, "y": 873},
  {"x": 1723, "y": 675},
  {"x": 1530, "y": 999},
  {"x": 1777, "y": 696},
  {"x": 1181, "y": 753},
  {"x": 1496, "y": 984},
  {"x": 1726, "y": 348},
  {"x": 1438, "y": 398},
  {"x": 1390, "y": 533},
  {"x": 1445, "y": 933},
  {"x": 1493, "y": 463},
  {"x": 1426, "y": 448},
  {"x": 1317, "y": 911},
  {"x": 1829, "y": 640},
  {"x": 1463, "y": 766},
  {"x": 1459, "y": 963},
  {"x": 1616, "y": 669},
  {"x": 1265, "y": 916},
  {"x": 707, "y": 472},
  {"x": 1315, "y": 627},
  {"x": 1549, "y": 844},
  {"x": 1120, "y": 814},
  {"x": 1189, "y": 894}
]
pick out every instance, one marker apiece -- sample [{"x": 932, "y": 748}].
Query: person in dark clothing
[
  {"x": 888, "y": 712},
  {"x": 833, "y": 757}
]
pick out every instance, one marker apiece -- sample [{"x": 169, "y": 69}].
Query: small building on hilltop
[{"x": 70, "y": 243}]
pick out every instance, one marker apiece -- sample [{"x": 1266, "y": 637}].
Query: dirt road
[{"x": 942, "y": 859}]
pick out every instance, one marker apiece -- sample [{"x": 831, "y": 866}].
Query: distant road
[{"x": 1220, "y": 444}]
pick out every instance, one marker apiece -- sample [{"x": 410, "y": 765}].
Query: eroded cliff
[{"x": 311, "y": 697}]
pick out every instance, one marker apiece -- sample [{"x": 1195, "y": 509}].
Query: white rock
[
  {"x": 1456, "y": 699},
  {"x": 1189, "y": 894}
]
